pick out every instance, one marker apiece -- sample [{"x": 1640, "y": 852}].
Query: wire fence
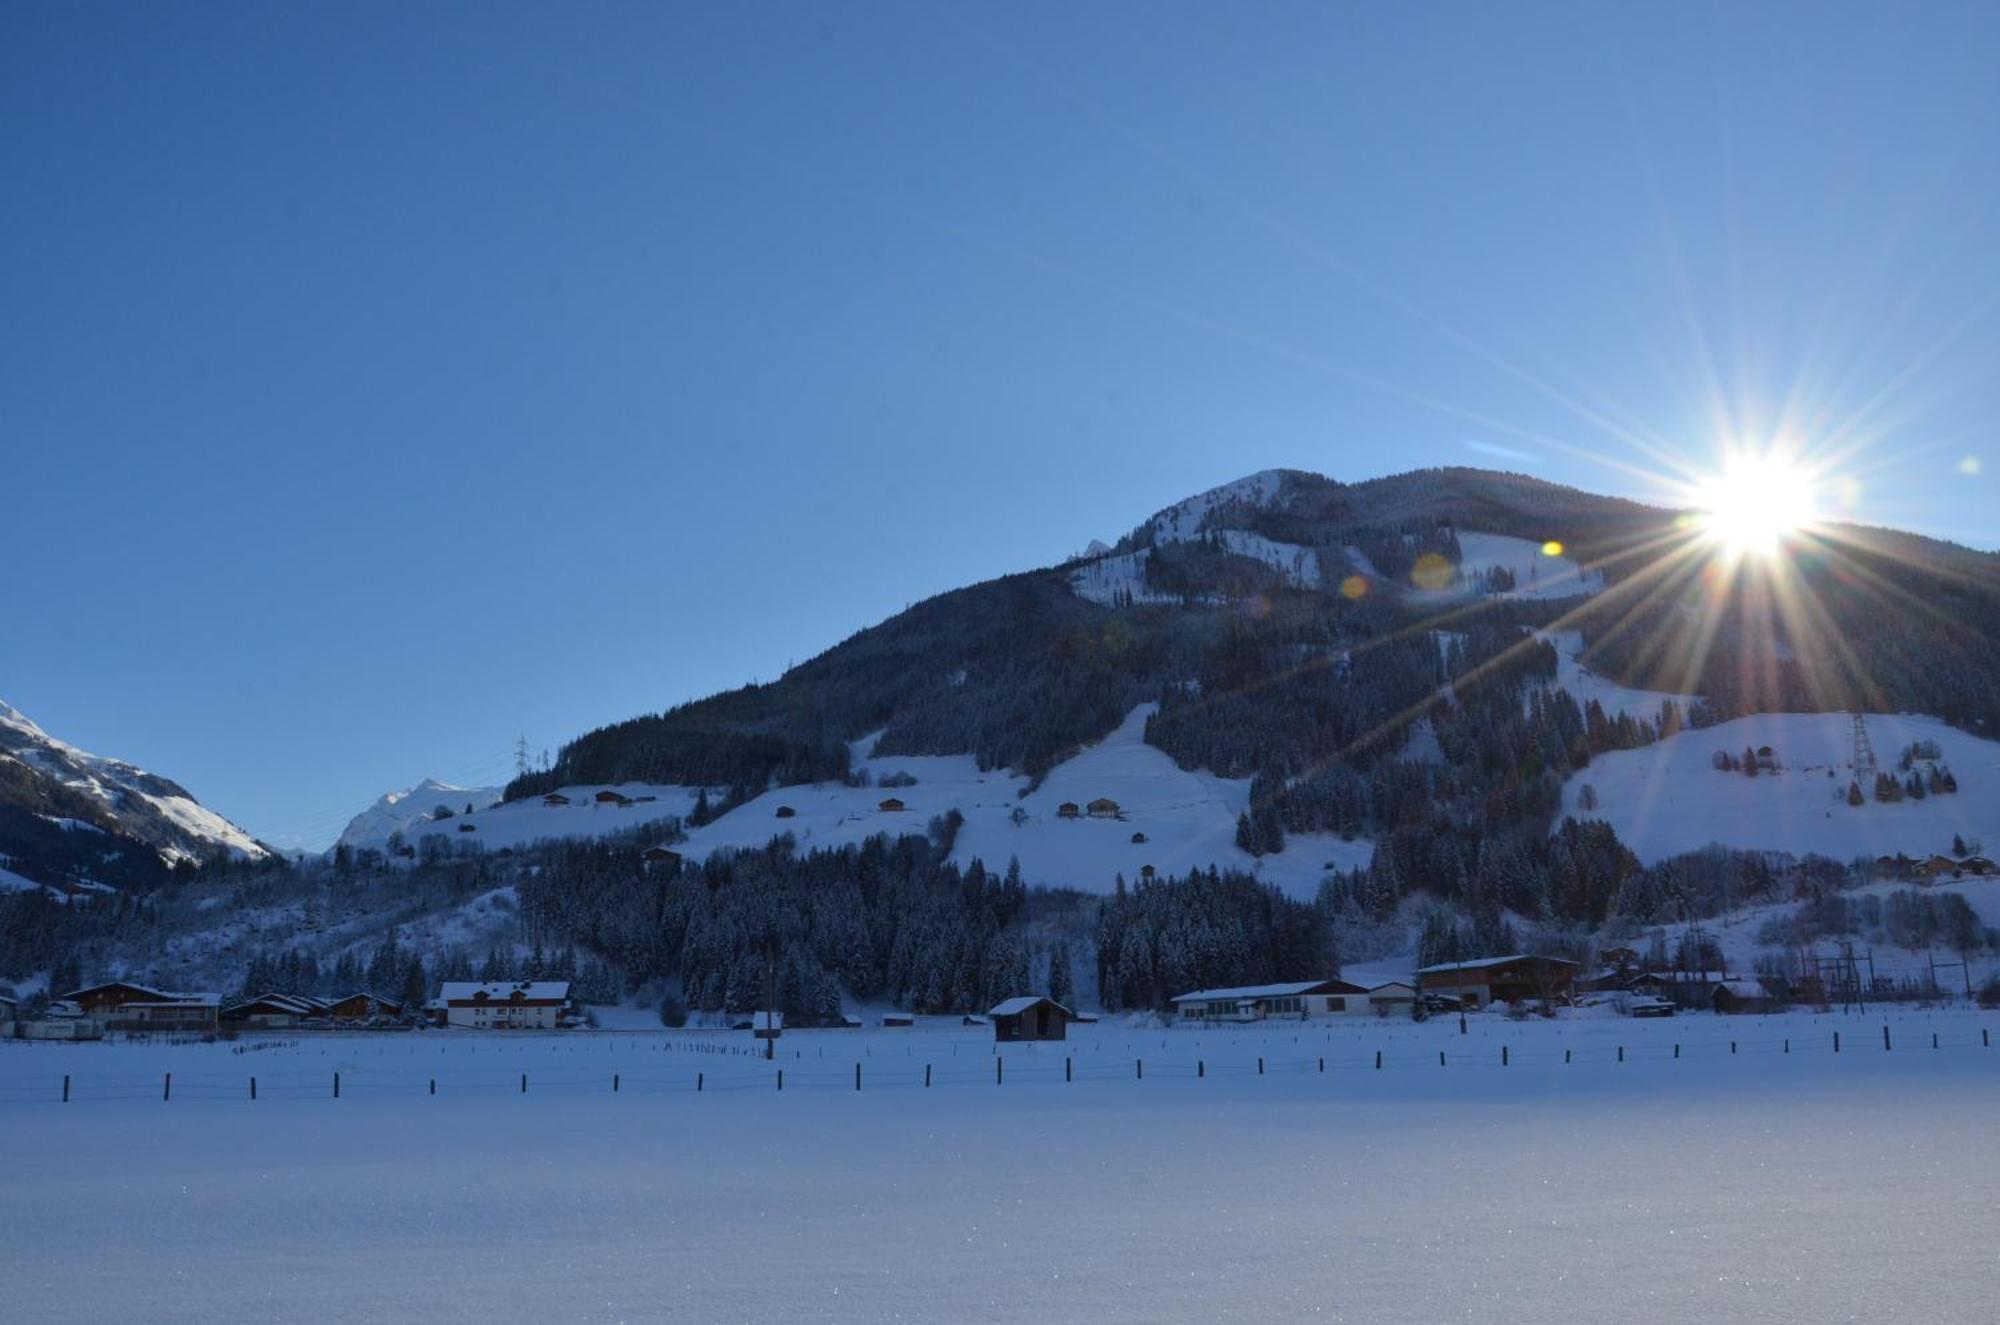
[{"x": 912, "y": 1072}]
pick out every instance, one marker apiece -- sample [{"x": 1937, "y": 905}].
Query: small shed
[
  {"x": 554, "y": 799},
  {"x": 1391, "y": 997},
  {"x": 1102, "y": 808},
  {"x": 891, "y": 806},
  {"x": 1068, "y": 810},
  {"x": 1740, "y": 996},
  {"x": 898, "y": 1019},
  {"x": 786, "y": 812},
  {"x": 1030, "y": 1018},
  {"x": 468, "y": 827},
  {"x": 1147, "y": 871}
]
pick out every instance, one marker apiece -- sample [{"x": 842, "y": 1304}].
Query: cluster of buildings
[{"x": 122, "y": 1005}]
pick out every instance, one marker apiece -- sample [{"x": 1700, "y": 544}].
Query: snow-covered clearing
[
  {"x": 1755, "y": 1186},
  {"x": 518, "y": 823},
  {"x": 1585, "y": 685},
  {"x": 1536, "y": 574},
  {"x": 1188, "y": 818},
  {"x": 1667, "y": 798},
  {"x": 1113, "y": 580}
]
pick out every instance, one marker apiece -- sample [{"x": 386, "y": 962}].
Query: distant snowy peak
[
  {"x": 402, "y": 811},
  {"x": 113, "y": 795}
]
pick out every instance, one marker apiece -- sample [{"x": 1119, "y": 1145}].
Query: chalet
[
  {"x": 1068, "y": 810},
  {"x": 268, "y": 1011},
  {"x": 1978, "y": 865},
  {"x": 891, "y": 806},
  {"x": 1500, "y": 979},
  {"x": 785, "y": 812},
  {"x": 1391, "y": 997},
  {"x": 1138, "y": 839},
  {"x": 554, "y": 799},
  {"x": 121, "y": 1005},
  {"x": 1030, "y": 1018},
  {"x": 1146, "y": 871},
  {"x": 1294, "y": 999},
  {"x": 1102, "y": 808},
  {"x": 505, "y": 1004},
  {"x": 652, "y": 856},
  {"x": 1740, "y": 996},
  {"x": 362, "y": 1007},
  {"x": 1939, "y": 866},
  {"x": 610, "y": 797}
]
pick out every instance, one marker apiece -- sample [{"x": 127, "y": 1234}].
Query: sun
[{"x": 1754, "y": 503}]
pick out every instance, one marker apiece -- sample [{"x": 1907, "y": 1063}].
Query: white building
[
  {"x": 533, "y": 1005},
  {"x": 1295, "y": 999}
]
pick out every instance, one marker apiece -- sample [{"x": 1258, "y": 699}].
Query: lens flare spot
[
  {"x": 1353, "y": 588},
  {"x": 1552, "y": 548},
  {"x": 1970, "y": 466},
  {"x": 1432, "y": 571}
]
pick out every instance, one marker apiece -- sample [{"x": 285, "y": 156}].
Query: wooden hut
[
  {"x": 1030, "y": 1018},
  {"x": 786, "y": 812},
  {"x": 891, "y": 806},
  {"x": 1068, "y": 810}
]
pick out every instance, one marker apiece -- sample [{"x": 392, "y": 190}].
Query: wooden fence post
[
  {"x": 65, "y": 1088},
  {"x": 857, "y": 1076},
  {"x": 1621, "y": 1053},
  {"x": 781, "y": 1078},
  {"x": 1440, "y": 1058},
  {"x": 999, "y": 1070},
  {"x": 1322, "y": 1065},
  {"x": 1566, "y": 1054},
  {"x": 614, "y": 1083},
  {"x": 1200, "y": 1069},
  {"x": 524, "y": 1083},
  {"x": 1885, "y": 1037},
  {"x": 1836, "y": 1041},
  {"x": 253, "y": 1088},
  {"x": 336, "y": 1085},
  {"x": 167, "y": 1088},
  {"x": 1140, "y": 1063},
  {"x": 927, "y": 1076},
  {"x": 1503, "y": 1055},
  {"x": 434, "y": 1085},
  {"x": 1378, "y": 1060},
  {"x": 1260, "y": 1065},
  {"x": 1069, "y": 1069},
  {"x": 1677, "y": 1051}
]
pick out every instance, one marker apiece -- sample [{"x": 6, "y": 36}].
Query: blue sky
[{"x": 384, "y": 381}]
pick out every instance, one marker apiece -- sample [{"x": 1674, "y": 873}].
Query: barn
[
  {"x": 267, "y": 1010},
  {"x": 610, "y": 797},
  {"x": 362, "y": 1007},
  {"x": 554, "y": 799},
  {"x": 785, "y": 812},
  {"x": 125, "y": 1006},
  {"x": 1509, "y": 979},
  {"x": 660, "y": 856},
  {"x": 1030, "y": 1018},
  {"x": 1292, "y": 999},
  {"x": 1068, "y": 810},
  {"x": 1740, "y": 996}
]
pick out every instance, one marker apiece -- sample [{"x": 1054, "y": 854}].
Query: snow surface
[
  {"x": 1184, "y": 520},
  {"x": 1536, "y": 575},
  {"x": 402, "y": 811},
  {"x": 1585, "y": 685},
  {"x": 1189, "y": 818},
  {"x": 518, "y": 823},
  {"x": 1111, "y": 578},
  {"x": 1667, "y": 798},
  {"x": 1758, "y": 1186}
]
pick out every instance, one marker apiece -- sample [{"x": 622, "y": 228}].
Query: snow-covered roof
[
  {"x": 285, "y": 1002},
  {"x": 1014, "y": 1007},
  {"x": 1290, "y": 989},
  {"x": 1744, "y": 988},
  {"x": 503, "y": 991},
  {"x": 1392, "y": 984},
  {"x": 1481, "y": 963}
]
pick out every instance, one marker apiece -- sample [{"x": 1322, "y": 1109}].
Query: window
[{"x": 1336, "y": 1005}]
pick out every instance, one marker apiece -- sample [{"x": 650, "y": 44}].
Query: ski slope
[
  {"x": 1536, "y": 574},
  {"x": 1585, "y": 685},
  {"x": 1667, "y": 798}
]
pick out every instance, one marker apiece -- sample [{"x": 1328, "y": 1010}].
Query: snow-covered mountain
[
  {"x": 402, "y": 811},
  {"x": 49, "y": 784}
]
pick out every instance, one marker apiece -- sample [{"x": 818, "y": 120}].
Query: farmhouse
[
  {"x": 659, "y": 856},
  {"x": 505, "y": 1004},
  {"x": 1500, "y": 979},
  {"x": 125, "y": 1006},
  {"x": 785, "y": 812},
  {"x": 362, "y": 1007},
  {"x": 1740, "y": 996},
  {"x": 1030, "y": 1018},
  {"x": 267, "y": 1010},
  {"x": 1068, "y": 810},
  {"x": 554, "y": 799},
  {"x": 1102, "y": 808},
  {"x": 891, "y": 806},
  {"x": 1296, "y": 998},
  {"x": 610, "y": 797}
]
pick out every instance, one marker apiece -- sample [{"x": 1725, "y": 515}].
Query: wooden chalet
[
  {"x": 1069, "y": 810},
  {"x": 362, "y": 1007},
  {"x": 891, "y": 805},
  {"x": 1138, "y": 839},
  {"x": 122, "y": 1005},
  {"x": 1510, "y": 979},
  {"x": 1733, "y": 996},
  {"x": 554, "y": 799},
  {"x": 269, "y": 1011},
  {"x": 1030, "y": 1018},
  {"x": 1102, "y": 808},
  {"x": 785, "y": 812},
  {"x": 657, "y": 855},
  {"x": 610, "y": 797}
]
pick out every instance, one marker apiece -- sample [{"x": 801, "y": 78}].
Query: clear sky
[{"x": 379, "y": 382}]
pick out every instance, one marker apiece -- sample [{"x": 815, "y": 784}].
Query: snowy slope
[
  {"x": 1189, "y": 818},
  {"x": 1585, "y": 685},
  {"x": 403, "y": 811},
  {"x": 518, "y": 823},
  {"x": 142, "y": 805},
  {"x": 1185, "y": 519},
  {"x": 1667, "y": 798},
  {"x": 1537, "y": 575}
]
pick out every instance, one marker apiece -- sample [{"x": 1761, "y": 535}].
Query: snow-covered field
[
  {"x": 1730, "y": 1187},
  {"x": 1667, "y": 798},
  {"x": 1536, "y": 574}
]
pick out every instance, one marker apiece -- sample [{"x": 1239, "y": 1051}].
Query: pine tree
[{"x": 1060, "y": 987}]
